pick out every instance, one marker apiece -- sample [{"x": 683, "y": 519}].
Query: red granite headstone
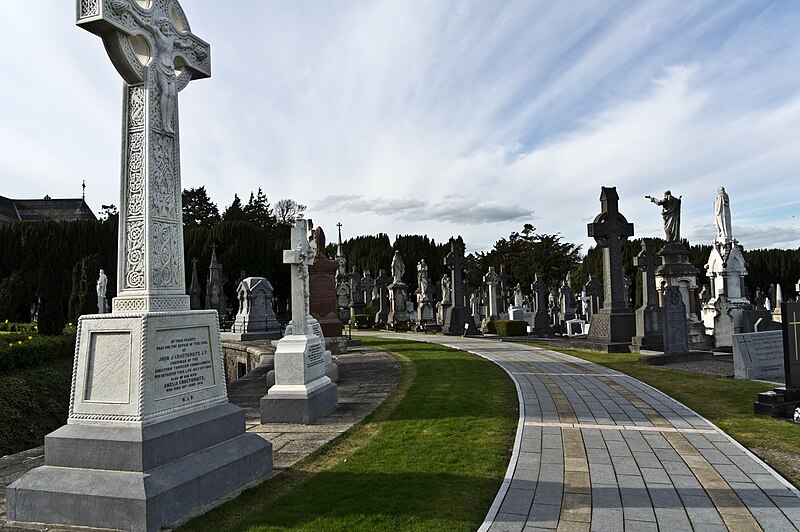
[{"x": 322, "y": 295}]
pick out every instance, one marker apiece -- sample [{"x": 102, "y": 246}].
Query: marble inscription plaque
[
  {"x": 758, "y": 355},
  {"x": 108, "y": 375},
  {"x": 183, "y": 361},
  {"x": 315, "y": 355}
]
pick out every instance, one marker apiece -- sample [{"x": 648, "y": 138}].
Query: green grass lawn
[
  {"x": 431, "y": 457},
  {"x": 33, "y": 402},
  {"x": 727, "y": 403}
]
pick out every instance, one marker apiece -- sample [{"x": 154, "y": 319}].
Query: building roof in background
[{"x": 35, "y": 210}]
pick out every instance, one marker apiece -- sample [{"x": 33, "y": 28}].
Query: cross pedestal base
[
  {"x": 302, "y": 392},
  {"x": 140, "y": 478},
  {"x": 613, "y": 328}
]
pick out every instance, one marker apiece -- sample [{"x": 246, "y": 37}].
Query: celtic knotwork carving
[
  {"x": 163, "y": 192},
  {"x": 136, "y": 107},
  {"x": 129, "y": 304},
  {"x": 166, "y": 271},
  {"x": 134, "y": 260},
  {"x": 89, "y": 8},
  {"x": 136, "y": 174}
]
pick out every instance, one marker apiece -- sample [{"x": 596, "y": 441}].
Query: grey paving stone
[
  {"x": 701, "y": 510},
  {"x": 607, "y": 519},
  {"x": 714, "y": 456},
  {"x": 625, "y": 466},
  {"x": 668, "y": 455},
  {"x": 618, "y": 448},
  {"x": 598, "y": 456},
  {"x": 663, "y": 496},
  {"x": 602, "y": 474},
  {"x": 655, "y": 475},
  {"x": 731, "y": 473},
  {"x": 552, "y": 441},
  {"x": 676, "y": 468},
  {"x": 672, "y": 519},
  {"x": 544, "y": 515},
  {"x": 646, "y": 459},
  {"x": 517, "y": 501},
  {"x": 606, "y": 496},
  {"x": 508, "y": 523},
  {"x": 639, "y": 526},
  {"x": 549, "y": 492},
  {"x": 552, "y": 456}
]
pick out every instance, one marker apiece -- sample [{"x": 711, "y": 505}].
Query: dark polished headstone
[
  {"x": 614, "y": 323},
  {"x": 674, "y": 324},
  {"x": 782, "y": 401},
  {"x": 649, "y": 334}
]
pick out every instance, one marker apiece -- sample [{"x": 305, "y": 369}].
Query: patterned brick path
[{"x": 598, "y": 450}]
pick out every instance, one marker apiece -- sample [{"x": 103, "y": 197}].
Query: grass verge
[
  {"x": 33, "y": 402},
  {"x": 430, "y": 457},
  {"x": 727, "y": 403}
]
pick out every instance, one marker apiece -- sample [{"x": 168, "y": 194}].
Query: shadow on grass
[{"x": 367, "y": 501}]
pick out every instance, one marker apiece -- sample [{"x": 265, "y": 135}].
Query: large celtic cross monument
[
  {"x": 156, "y": 54},
  {"x": 150, "y": 426}
]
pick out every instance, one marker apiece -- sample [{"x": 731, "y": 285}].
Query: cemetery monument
[
  {"x": 302, "y": 392},
  {"x": 613, "y": 325},
  {"x": 151, "y": 437},
  {"x": 649, "y": 335}
]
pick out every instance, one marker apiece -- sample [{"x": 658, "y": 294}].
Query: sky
[{"x": 443, "y": 118}]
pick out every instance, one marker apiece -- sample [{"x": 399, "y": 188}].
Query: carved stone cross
[
  {"x": 299, "y": 257},
  {"x": 455, "y": 261},
  {"x": 156, "y": 54},
  {"x": 492, "y": 279},
  {"x": 610, "y": 229},
  {"x": 646, "y": 261}
]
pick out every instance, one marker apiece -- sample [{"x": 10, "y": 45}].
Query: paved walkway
[
  {"x": 598, "y": 450},
  {"x": 366, "y": 378}
]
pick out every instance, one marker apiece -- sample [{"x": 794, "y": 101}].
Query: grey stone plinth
[
  {"x": 290, "y": 408},
  {"x": 140, "y": 478},
  {"x": 612, "y": 327},
  {"x": 648, "y": 330}
]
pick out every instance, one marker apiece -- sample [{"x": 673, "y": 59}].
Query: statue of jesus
[{"x": 671, "y": 212}]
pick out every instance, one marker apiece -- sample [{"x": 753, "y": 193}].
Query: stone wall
[{"x": 242, "y": 358}]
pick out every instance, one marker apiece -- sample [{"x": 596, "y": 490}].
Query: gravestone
[
  {"x": 594, "y": 291},
  {"x": 194, "y": 289},
  {"x": 398, "y": 295},
  {"x": 150, "y": 437},
  {"x": 456, "y": 315},
  {"x": 425, "y": 315},
  {"x": 649, "y": 335},
  {"x": 215, "y": 295},
  {"x": 566, "y": 303},
  {"x": 368, "y": 287},
  {"x": 675, "y": 330},
  {"x": 782, "y": 401},
  {"x": 255, "y": 319},
  {"x": 726, "y": 269},
  {"x": 758, "y": 356},
  {"x": 447, "y": 298},
  {"x": 516, "y": 312},
  {"x": 357, "y": 304},
  {"x": 541, "y": 320},
  {"x": 382, "y": 314},
  {"x": 790, "y": 320},
  {"x": 492, "y": 280},
  {"x": 302, "y": 392},
  {"x": 323, "y": 298},
  {"x": 677, "y": 271},
  {"x": 502, "y": 292},
  {"x": 613, "y": 325}
]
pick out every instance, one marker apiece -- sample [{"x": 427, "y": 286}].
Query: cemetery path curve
[{"x": 598, "y": 450}]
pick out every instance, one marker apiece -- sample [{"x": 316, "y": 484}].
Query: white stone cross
[
  {"x": 299, "y": 256},
  {"x": 156, "y": 54}
]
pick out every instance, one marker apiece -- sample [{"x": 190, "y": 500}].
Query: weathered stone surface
[{"x": 758, "y": 356}]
